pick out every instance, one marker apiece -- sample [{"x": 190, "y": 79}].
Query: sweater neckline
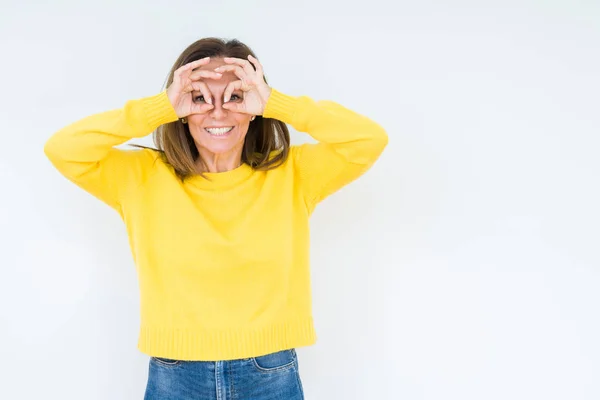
[{"x": 214, "y": 180}]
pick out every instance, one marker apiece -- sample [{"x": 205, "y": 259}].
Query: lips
[{"x": 219, "y": 132}]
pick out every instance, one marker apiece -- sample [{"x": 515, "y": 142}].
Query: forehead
[
  {"x": 228, "y": 76},
  {"x": 214, "y": 63}
]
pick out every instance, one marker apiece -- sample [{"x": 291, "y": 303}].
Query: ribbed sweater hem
[{"x": 220, "y": 345}]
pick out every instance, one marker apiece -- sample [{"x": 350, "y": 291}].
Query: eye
[
  {"x": 198, "y": 97},
  {"x": 234, "y": 95}
]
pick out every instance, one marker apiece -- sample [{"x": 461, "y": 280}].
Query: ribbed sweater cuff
[
  {"x": 281, "y": 106},
  {"x": 158, "y": 110}
]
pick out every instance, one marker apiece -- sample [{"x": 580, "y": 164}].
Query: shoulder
[
  {"x": 145, "y": 154},
  {"x": 289, "y": 157},
  {"x": 296, "y": 149},
  {"x": 143, "y": 158}
]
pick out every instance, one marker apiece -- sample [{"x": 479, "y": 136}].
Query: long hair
[{"x": 267, "y": 142}]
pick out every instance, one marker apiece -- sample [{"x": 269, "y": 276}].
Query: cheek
[
  {"x": 196, "y": 119},
  {"x": 244, "y": 125},
  {"x": 195, "y": 124},
  {"x": 244, "y": 121}
]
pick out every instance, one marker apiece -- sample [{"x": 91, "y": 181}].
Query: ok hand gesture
[
  {"x": 185, "y": 81},
  {"x": 251, "y": 83}
]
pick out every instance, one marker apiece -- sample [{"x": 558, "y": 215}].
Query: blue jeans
[{"x": 269, "y": 377}]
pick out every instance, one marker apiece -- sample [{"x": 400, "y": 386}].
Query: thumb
[
  {"x": 235, "y": 107},
  {"x": 201, "y": 108}
]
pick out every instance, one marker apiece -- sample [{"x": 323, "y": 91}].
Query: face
[{"x": 215, "y": 142}]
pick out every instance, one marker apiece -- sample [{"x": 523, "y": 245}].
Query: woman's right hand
[{"x": 186, "y": 80}]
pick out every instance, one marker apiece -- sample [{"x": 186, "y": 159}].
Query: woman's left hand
[{"x": 256, "y": 91}]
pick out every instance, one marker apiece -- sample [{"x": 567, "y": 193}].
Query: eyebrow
[{"x": 234, "y": 91}]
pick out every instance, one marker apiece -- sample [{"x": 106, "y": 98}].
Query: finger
[
  {"x": 228, "y": 67},
  {"x": 235, "y": 107},
  {"x": 235, "y": 85},
  {"x": 201, "y": 108},
  {"x": 245, "y": 64},
  {"x": 204, "y": 73},
  {"x": 238, "y": 71},
  {"x": 201, "y": 87},
  {"x": 195, "y": 64},
  {"x": 257, "y": 64},
  {"x": 190, "y": 66}
]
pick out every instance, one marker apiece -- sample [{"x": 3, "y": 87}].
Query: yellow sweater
[{"x": 223, "y": 265}]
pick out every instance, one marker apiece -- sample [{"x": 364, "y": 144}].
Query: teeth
[{"x": 218, "y": 131}]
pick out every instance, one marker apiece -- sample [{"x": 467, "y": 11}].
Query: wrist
[
  {"x": 265, "y": 95},
  {"x": 158, "y": 109},
  {"x": 281, "y": 106},
  {"x": 171, "y": 98}
]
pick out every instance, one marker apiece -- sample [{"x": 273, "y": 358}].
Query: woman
[{"x": 218, "y": 217}]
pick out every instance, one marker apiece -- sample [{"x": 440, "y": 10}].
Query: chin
[{"x": 218, "y": 149}]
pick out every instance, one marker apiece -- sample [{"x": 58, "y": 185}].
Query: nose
[{"x": 218, "y": 111}]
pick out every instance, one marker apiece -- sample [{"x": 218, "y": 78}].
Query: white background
[{"x": 464, "y": 265}]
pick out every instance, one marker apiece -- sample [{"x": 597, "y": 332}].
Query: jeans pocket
[
  {"x": 167, "y": 362},
  {"x": 278, "y": 361}
]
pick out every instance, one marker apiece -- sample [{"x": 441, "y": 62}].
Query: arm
[
  {"x": 349, "y": 143},
  {"x": 83, "y": 151}
]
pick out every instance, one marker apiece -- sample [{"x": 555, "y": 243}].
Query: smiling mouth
[{"x": 219, "y": 131}]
